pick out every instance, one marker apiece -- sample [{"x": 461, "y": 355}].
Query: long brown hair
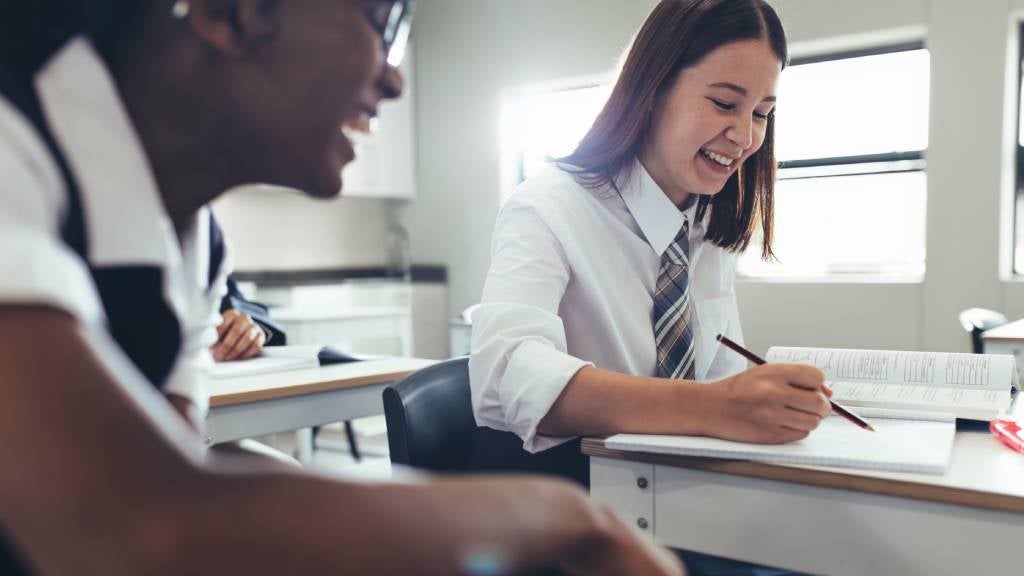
[{"x": 677, "y": 35}]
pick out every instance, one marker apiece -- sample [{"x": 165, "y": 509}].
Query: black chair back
[
  {"x": 976, "y": 321},
  {"x": 431, "y": 426},
  {"x": 430, "y": 418}
]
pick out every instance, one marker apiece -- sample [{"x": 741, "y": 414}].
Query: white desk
[
  {"x": 1006, "y": 339},
  {"x": 828, "y": 520},
  {"x": 262, "y": 404}
]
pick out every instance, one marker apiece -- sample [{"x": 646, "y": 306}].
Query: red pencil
[{"x": 837, "y": 408}]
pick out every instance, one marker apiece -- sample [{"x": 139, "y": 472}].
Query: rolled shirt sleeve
[
  {"x": 188, "y": 380},
  {"x": 38, "y": 269},
  {"x": 519, "y": 365}
]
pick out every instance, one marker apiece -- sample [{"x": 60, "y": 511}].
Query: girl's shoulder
[{"x": 553, "y": 184}]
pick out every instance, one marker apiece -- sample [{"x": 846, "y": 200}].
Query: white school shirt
[
  {"x": 124, "y": 215},
  {"x": 572, "y": 282}
]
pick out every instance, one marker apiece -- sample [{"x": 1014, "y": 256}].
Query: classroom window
[
  {"x": 851, "y": 132},
  {"x": 543, "y": 124},
  {"x": 1018, "y": 213}
]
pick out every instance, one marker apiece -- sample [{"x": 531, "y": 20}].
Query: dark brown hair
[{"x": 677, "y": 35}]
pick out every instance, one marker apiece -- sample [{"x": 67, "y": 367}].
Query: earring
[{"x": 180, "y": 9}]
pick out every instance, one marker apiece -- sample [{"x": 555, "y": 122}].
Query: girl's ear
[{"x": 232, "y": 26}]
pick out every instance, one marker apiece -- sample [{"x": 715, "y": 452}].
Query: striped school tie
[{"x": 673, "y": 334}]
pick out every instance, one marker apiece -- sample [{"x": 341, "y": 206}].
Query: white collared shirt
[
  {"x": 124, "y": 215},
  {"x": 572, "y": 282}
]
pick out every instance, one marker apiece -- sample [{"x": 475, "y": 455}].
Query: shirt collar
[
  {"x": 124, "y": 215},
  {"x": 658, "y": 218}
]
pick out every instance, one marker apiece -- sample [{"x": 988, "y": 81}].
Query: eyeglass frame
[{"x": 394, "y": 31}]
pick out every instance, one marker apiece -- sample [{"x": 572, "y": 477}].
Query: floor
[{"x": 332, "y": 455}]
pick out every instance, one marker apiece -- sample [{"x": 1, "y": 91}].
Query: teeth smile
[
  {"x": 362, "y": 124},
  {"x": 723, "y": 160}
]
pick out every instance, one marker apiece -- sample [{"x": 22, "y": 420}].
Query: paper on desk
[
  {"x": 274, "y": 359},
  {"x": 899, "y": 445}
]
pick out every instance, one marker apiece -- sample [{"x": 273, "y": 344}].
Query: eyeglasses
[{"x": 392, "y": 19}]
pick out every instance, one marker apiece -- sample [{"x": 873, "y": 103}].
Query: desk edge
[
  {"x": 820, "y": 478},
  {"x": 222, "y": 400}
]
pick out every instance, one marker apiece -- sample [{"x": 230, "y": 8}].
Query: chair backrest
[
  {"x": 431, "y": 425},
  {"x": 976, "y": 321},
  {"x": 430, "y": 418}
]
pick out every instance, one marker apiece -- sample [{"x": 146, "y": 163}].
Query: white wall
[
  {"x": 471, "y": 51},
  {"x": 467, "y": 53},
  {"x": 277, "y": 229}
]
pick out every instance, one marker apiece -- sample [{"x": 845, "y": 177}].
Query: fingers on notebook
[
  {"x": 248, "y": 345},
  {"x": 809, "y": 402},
  {"x": 801, "y": 421},
  {"x": 781, "y": 435}
]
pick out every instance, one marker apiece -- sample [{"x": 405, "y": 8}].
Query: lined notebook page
[{"x": 897, "y": 445}]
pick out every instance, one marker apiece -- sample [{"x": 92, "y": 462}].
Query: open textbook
[
  {"x": 283, "y": 358},
  {"x": 971, "y": 386}
]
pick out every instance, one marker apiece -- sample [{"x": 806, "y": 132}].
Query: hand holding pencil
[
  {"x": 835, "y": 406},
  {"x": 767, "y": 404}
]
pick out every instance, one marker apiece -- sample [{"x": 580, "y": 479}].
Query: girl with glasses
[{"x": 119, "y": 121}]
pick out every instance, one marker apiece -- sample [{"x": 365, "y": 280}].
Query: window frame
[
  {"x": 854, "y": 165},
  {"x": 908, "y": 161},
  {"x": 1018, "y": 197}
]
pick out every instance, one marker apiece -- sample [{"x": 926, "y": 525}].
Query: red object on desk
[{"x": 1009, "y": 432}]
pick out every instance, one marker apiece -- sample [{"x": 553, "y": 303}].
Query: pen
[{"x": 837, "y": 408}]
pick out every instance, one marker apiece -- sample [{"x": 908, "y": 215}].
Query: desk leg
[
  {"x": 304, "y": 443},
  {"x": 353, "y": 444}
]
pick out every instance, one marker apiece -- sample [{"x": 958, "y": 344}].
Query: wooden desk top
[
  {"x": 273, "y": 385},
  {"x": 982, "y": 473}
]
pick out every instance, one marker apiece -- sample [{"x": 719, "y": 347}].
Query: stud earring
[{"x": 180, "y": 10}]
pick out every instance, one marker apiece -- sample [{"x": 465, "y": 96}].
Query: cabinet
[
  {"x": 366, "y": 317},
  {"x": 385, "y": 164},
  {"x": 377, "y": 330}
]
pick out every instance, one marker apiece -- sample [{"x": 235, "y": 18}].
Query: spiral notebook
[{"x": 903, "y": 441}]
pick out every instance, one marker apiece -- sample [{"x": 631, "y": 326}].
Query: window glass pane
[
  {"x": 1018, "y": 220},
  {"x": 551, "y": 124},
  {"x": 854, "y": 106},
  {"x": 1020, "y": 108},
  {"x": 848, "y": 225}
]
